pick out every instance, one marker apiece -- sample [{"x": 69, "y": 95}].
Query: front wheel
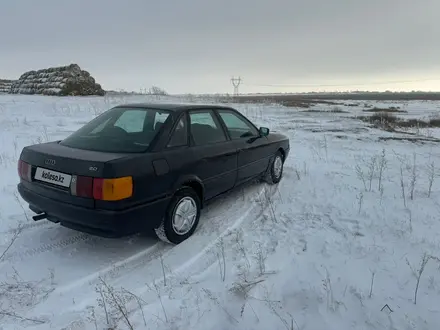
[
  {"x": 275, "y": 170},
  {"x": 181, "y": 218}
]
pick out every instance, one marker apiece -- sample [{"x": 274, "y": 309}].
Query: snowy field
[{"x": 349, "y": 239}]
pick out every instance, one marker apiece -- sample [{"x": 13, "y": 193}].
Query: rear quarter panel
[
  {"x": 145, "y": 183},
  {"x": 181, "y": 163},
  {"x": 154, "y": 176}
]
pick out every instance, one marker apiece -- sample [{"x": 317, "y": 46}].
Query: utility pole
[{"x": 236, "y": 83}]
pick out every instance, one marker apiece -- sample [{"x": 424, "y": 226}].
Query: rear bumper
[{"x": 97, "y": 222}]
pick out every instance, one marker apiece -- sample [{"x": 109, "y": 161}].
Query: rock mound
[
  {"x": 5, "y": 86},
  {"x": 60, "y": 81}
]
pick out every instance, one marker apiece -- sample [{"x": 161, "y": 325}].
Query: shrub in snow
[
  {"x": 5, "y": 86},
  {"x": 60, "y": 81}
]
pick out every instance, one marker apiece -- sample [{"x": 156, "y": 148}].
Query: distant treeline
[{"x": 359, "y": 96}]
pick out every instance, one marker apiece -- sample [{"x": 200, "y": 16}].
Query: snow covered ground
[{"x": 348, "y": 239}]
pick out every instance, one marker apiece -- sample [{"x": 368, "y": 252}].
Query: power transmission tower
[{"x": 236, "y": 83}]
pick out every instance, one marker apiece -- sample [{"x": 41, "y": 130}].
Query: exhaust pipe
[{"x": 39, "y": 217}]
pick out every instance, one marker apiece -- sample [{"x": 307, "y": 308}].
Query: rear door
[
  {"x": 252, "y": 148},
  {"x": 215, "y": 155},
  {"x": 174, "y": 161}
]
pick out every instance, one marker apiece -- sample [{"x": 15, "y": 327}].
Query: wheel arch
[
  {"x": 193, "y": 182},
  {"x": 283, "y": 152}
]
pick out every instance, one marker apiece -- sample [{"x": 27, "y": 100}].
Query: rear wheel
[
  {"x": 275, "y": 170},
  {"x": 181, "y": 218}
]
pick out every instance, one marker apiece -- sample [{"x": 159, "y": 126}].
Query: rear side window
[
  {"x": 205, "y": 129},
  {"x": 160, "y": 118},
  {"x": 179, "y": 137},
  {"x": 122, "y": 130}
]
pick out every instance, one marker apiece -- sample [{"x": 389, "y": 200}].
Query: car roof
[{"x": 176, "y": 107}]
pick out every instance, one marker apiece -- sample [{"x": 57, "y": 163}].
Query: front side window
[
  {"x": 120, "y": 129},
  {"x": 237, "y": 126},
  {"x": 205, "y": 129}
]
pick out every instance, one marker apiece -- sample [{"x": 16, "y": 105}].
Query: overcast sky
[{"x": 197, "y": 45}]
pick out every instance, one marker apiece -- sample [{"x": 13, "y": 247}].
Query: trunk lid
[
  {"x": 56, "y": 157},
  {"x": 56, "y": 169}
]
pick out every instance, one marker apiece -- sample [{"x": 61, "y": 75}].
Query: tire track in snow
[
  {"x": 131, "y": 263},
  {"x": 80, "y": 237},
  {"x": 166, "y": 249},
  {"x": 146, "y": 263},
  {"x": 204, "y": 259},
  {"x": 25, "y": 226},
  {"x": 196, "y": 264},
  {"x": 138, "y": 260},
  {"x": 76, "y": 238},
  {"x": 145, "y": 255}
]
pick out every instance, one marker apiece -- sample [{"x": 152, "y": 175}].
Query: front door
[{"x": 252, "y": 148}]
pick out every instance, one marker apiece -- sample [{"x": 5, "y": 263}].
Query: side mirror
[{"x": 264, "y": 131}]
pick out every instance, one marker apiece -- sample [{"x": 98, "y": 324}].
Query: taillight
[
  {"x": 24, "y": 170},
  {"x": 97, "y": 188},
  {"x": 112, "y": 189},
  {"x": 81, "y": 186},
  {"x": 102, "y": 189}
]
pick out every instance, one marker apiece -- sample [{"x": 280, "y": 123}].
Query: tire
[
  {"x": 275, "y": 170},
  {"x": 168, "y": 231}
]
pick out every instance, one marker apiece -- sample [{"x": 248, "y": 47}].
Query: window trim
[
  {"x": 173, "y": 129},
  {"x": 240, "y": 115},
  {"x": 216, "y": 121}
]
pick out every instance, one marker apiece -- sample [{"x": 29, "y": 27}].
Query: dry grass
[
  {"x": 335, "y": 109},
  {"x": 287, "y": 100},
  {"x": 388, "y": 121},
  {"x": 386, "y": 110}
]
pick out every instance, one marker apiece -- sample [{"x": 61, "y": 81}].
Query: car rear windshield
[{"x": 119, "y": 130}]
